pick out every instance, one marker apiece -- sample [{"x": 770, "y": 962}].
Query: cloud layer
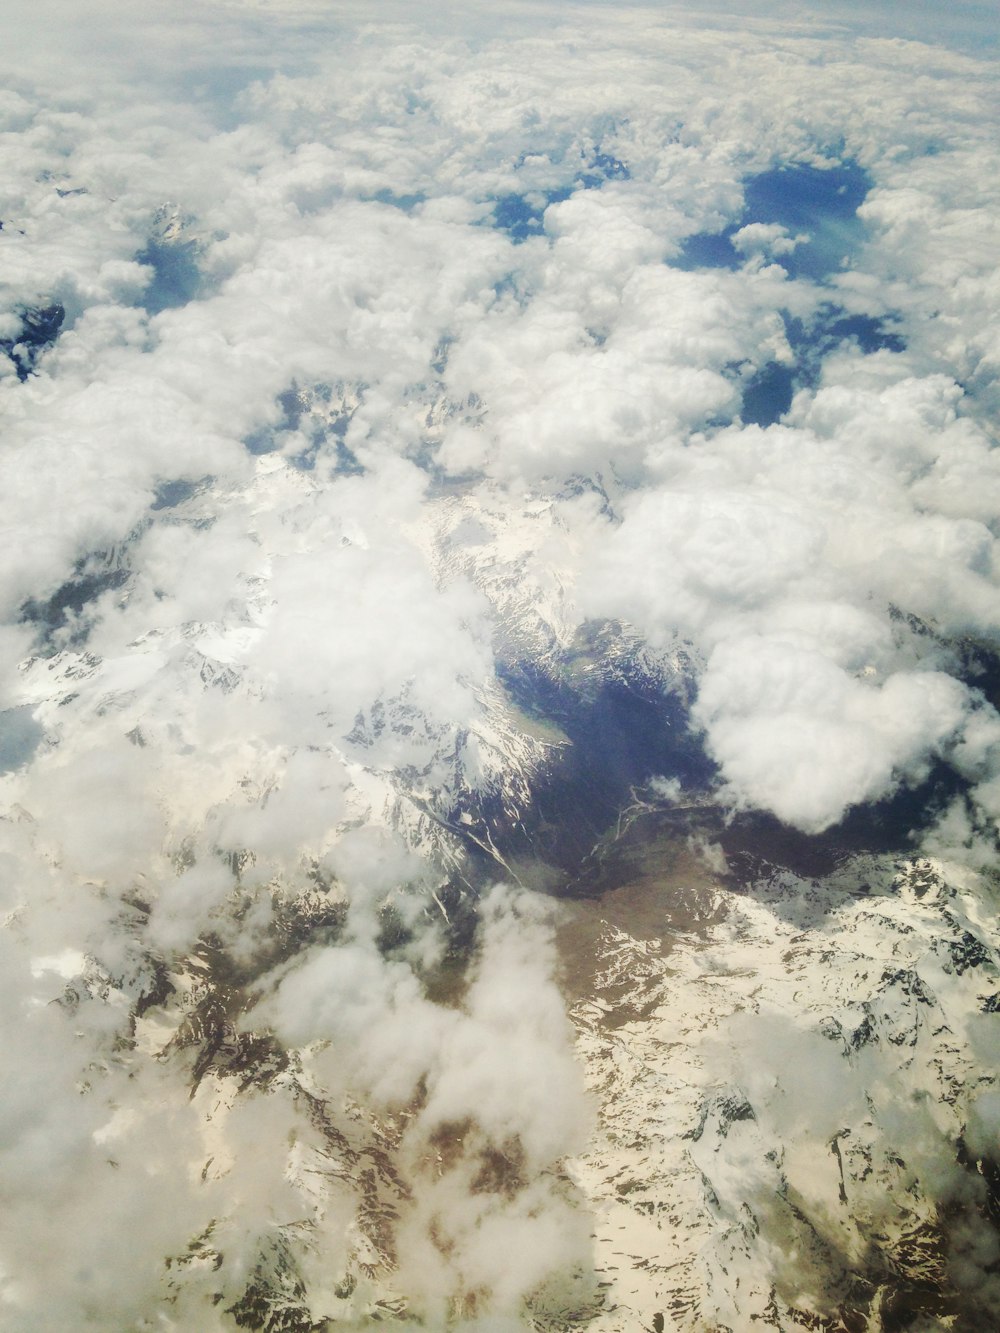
[{"x": 344, "y": 364}]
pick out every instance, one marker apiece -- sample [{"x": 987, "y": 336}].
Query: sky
[{"x": 348, "y": 362}]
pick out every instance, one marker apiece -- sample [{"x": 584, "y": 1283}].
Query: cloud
[
  {"x": 800, "y": 736},
  {"x": 493, "y": 1095},
  {"x": 700, "y": 557}
]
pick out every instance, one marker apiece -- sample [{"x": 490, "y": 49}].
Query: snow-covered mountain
[
  {"x": 793, "y": 1076},
  {"x": 790, "y": 1073}
]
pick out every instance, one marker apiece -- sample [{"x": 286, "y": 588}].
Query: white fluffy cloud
[{"x": 806, "y": 739}]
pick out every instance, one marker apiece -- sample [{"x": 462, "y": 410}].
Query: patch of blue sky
[
  {"x": 817, "y": 203},
  {"x": 603, "y": 167},
  {"x": 767, "y": 394},
  {"x": 406, "y": 203},
  {"x": 522, "y": 215},
  {"x": 20, "y": 737},
  {"x": 821, "y": 204},
  {"x": 967, "y": 26},
  {"x": 833, "y": 326},
  {"x": 176, "y": 278},
  {"x": 709, "y": 249},
  {"x": 218, "y": 89},
  {"x": 321, "y": 436},
  {"x": 963, "y": 25},
  {"x": 176, "y": 491},
  {"x": 511, "y": 288}
]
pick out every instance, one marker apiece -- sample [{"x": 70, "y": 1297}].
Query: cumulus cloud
[{"x": 805, "y": 739}]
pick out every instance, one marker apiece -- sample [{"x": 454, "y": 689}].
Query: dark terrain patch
[{"x": 40, "y": 327}]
